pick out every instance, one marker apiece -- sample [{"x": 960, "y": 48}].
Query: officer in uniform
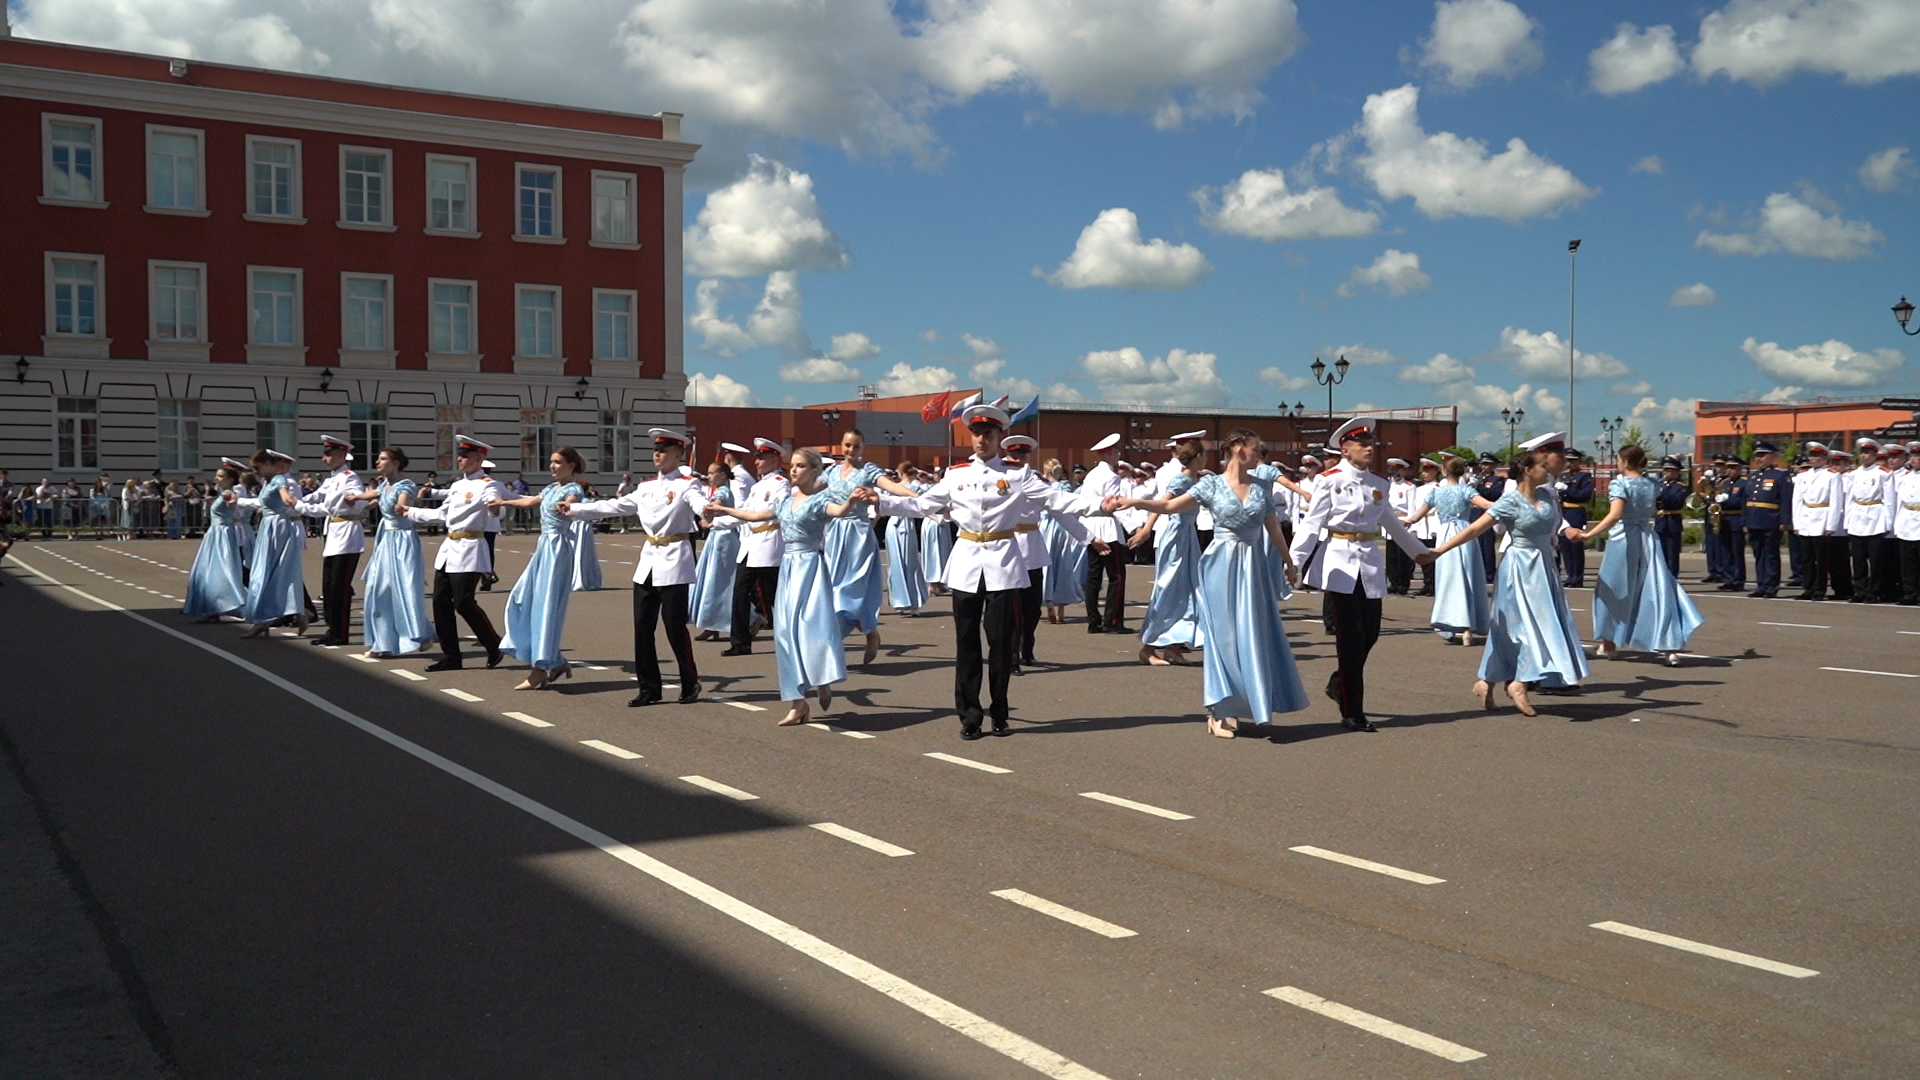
[
  {"x": 1709, "y": 523},
  {"x": 761, "y": 549},
  {"x": 1731, "y": 497},
  {"x": 1796, "y": 549},
  {"x": 1109, "y": 559},
  {"x": 1489, "y": 485},
  {"x": 463, "y": 558},
  {"x": 1769, "y": 488},
  {"x": 1576, "y": 491},
  {"x": 346, "y": 537},
  {"x": 1906, "y": 526},
  {"x": 1669, "y": 522}
]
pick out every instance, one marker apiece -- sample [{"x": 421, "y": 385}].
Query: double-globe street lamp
[
  {"x": 1330, "y": 379},
  {"x": 1511, "y": 418},
  {"x": 1611, "y": 428}
]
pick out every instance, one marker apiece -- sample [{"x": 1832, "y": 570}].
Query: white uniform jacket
[
  {"x": 668, "y": 509},
  {"x": 1906, "y": 504},
  {"x": 1422, "y": 529},
  {"x": 988, "y": 500},
  {"x": 760, "y": 542},
  {"x": 1353, "y": 509},
  {"x": 1814, "y": 494},
  {"x": 742, "y": 485},
  {"x": 346, "y": 529},
  {"x": 1869, "y": 501},
  {"x": 465, "y": 514},
  {"x": 1099, "y": 483}
]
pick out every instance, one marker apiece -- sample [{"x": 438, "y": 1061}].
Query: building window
[
  {"x": 179, "y": 302},
  {"x": 448, "y": 421},
  {"x": 613, "y": 212},
  {"x": 276, "y": 307},
  {"x": 273, "y": 175},
  {"x": 73, "y": 158},
  {"x": 276, "y": 426},
  {"x": 73, "y": 295},
  {"x": 613, "y": 325},
  {"x": 363, "y": 187},
  {"x": 174, "y": 177},
  {"x": 616, "y": 434},
  {"x": 450, "y": 194},
  {"x": 179, "y": 434},
  {"x": 76, "y": 433},
  {"x": 536, "y": 438},
  {"x": 539, "y": 202},
  {"x": 539, "y": 319},
  {"x": 452, "y": 317},
  {"x": 364, "y": 320},
  {"x": 367, "y": 431}
]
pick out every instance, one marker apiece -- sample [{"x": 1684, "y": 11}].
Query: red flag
[{"x": 935, "y": 408}]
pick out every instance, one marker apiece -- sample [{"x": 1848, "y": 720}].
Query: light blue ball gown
[
  {"x": 1637, "y": 604},
  {"x": 853, "y": 553},
  {"x": 935, "y": 546},
  {"x": 806, "y": 628},
  {"x": 906, "y": 581},
  {"x": 1459, "y": 577},
  {"x": 1531, "y": 636},
  {"x": 394, "y": 609},
  {"x": 537, "y": 607},
  {"x": 586, "y": 558},
  {"x": 1063, "y": 584},
  {"x": 217, "y": 584},
  {"x": 1248, "y": 672},
  {"x": 1173, "y": 611},
  {"x": 275, "y": 588},
  {"x": 711, "y": 598}
]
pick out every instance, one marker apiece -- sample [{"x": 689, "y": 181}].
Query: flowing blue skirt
[
  {"x": 806, "y": 629},
  {"x": 935, "y": 546},
  {"x": 1636, "y": 603},
  {"x": 537, "y": 607},
  {"x": 1531, "y": 636},
  {"x": 394, "y": 609},
  {"x": 853, "y": 562},
  {"x": 216, "y": 585},
  {"x": 1064, "y": 582},
  {"x": 711, "y": 599},
  {"x": 243, "y": 536},
  {"x": 1173, "y": 608},
  {"x": 586, "y": 558},
  {"x": 1248, "y": 671},
  {"x": 275, "y": 588},
  {"x": 1459, "y": 584},
  {"x": 1276, "y": 566},
  {"x": 906, "y": 581}
]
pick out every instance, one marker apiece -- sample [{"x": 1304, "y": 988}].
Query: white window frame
[
  {"x": 456, "y": 360},
  {"x": 633, "y": 318},
  {"x": 385, "y": 224},
  {"x": 199, "y": 207},
  {"x": 47, "y": 120},
  {"x": 295, "y": 194},
  {"x": 559, "y": 203},
  {"x": 632, "y": 182},
  {"x": 381, "y": 355},
  {"x": 80, "y": 461},
  {"x": 558, "y": 354},
  {"x": 472, "y": 231},
  {"x": 188, "y": 459},
  {"x": 176, "y": 349},
  {"x": 261, "y": 352},
  {"x": 291, "y": 429},
  {"x": 92, "y": 346}
]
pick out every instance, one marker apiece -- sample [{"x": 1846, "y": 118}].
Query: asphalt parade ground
[{"x": 274, "y": 859}]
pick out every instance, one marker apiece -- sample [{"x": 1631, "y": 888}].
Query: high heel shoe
[
  {"x": 258, "y": 631},
  {"x": 873, "y": 649},
  {"x": 825, "y": 694},
  {"x": 1151, "y": 657},
  {"x": 1517, "y": 690},
  {"x": 564, "y": 671},
  {"x": 535, "y": 679},
  {"x": 1219, "y": 728},
  {"x": 1483, "y": 690},
  {"x": 796, "y": 716}
]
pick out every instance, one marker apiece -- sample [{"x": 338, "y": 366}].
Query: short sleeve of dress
[
  {"x": 1180, "y": 485},
  {"x": 1617, "y": 488},
  {"x": 1508, "y": 508},
  {"x": 1431, "y": 497}
]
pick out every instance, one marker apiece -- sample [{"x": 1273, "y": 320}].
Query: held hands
[
  {"x": 864, "y": 495},
  {"x": 1574, "y": 534},
  {"x": 1426, "y": 558},
  {"x": 1100, "y": 546},
  {"x": 1111, "y": 503}
]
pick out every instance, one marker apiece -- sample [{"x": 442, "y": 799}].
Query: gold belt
[
  {"x": 1910, "y": 506},
  {"x": 1816, "y": 506},
  {"x": 1866, "y": 502},
  {"x": 986, "y": 537},
  {"x": 337, "y": 520},
  {"x": 1026, "y": 528},
  {"x": 1356, "y": 537},
  {"x": 1763, "y": 506},
  {"x": 763, "y": 528},
  {"x": 671, "y": 538},
  {"x": 1664, "y": 513},
  {"x": 466, "y": 534}
]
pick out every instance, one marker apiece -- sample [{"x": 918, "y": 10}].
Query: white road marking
[
  {"x": 719, "y": 788},
  {"x": 1368, "y": 864},
  {"x": 1798, "y": 625},
  {"x": 1365, "y": 1021},
  {"x": 744, "y": 705},
  {"x": 1171, "y": 815},
  {"x": 608, "y": 748},
  {"x": 591, "y": 667},
  {"x": 410, "y": 676},
  {"x": 453, "y": 692},
  {"x": 1714, "y": 951},
  {"x": 1065, "y": 914},
  {"x": 822, "y": 725},
  {"x": 365, "y": 659},
  {"x": 1864, "y": 671},
  {"x": 1916, "y": 633},
  {"x": 926, "y": 1003},
  {"x": 969, "y": 763},
  {"x": 865, "y": 841},
  {"x": 531, "y": 721}
]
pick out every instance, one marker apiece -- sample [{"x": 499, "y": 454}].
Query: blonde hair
[
  {"x": 1054, "y": 469},
  {"x": 811, "y": 457}
]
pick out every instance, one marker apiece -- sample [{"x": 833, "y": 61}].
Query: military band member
[
  {"x": 1575, "y": 490},
  {"x": 1731, "y": 498},
  {"x": 1488, "y": 486},
  {"x": 761, "y": 549},
  {"x": 334, "y": 501},
  {"x": 1669, "y": 521},
  {"x": 463, "y": 558},
  {"x": 1768, "y": 489}
]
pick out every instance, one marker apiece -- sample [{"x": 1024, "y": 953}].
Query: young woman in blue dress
[
  {"x": 537, "y": 607},
  {"x": 217, "y": 584},
  {"x": 1637, "y": 604},
  {"x": 906, "y": 580},
  {"x": 394, "y": 614},
  {"x": 1460, "y": 578},
  {"x": 276, "y": 589}
]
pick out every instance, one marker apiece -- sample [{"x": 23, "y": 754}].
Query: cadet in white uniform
[
  {"x": 463, "y": 558},
  {"x": 1423, "y": 529},
  {"x": 1816, "y": 494},
  {"x": 346, "y": 537},
  {"x": 1109, "y": 560},
  {"x": 761, "y": 548},
  {"x": 1906, "y": 525},
  {"x": 1018, "y": 451},
  {"x": 667, "y": 509},
  {"x": 1869, "y": 524}
]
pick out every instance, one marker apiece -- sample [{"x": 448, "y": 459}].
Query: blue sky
[{"x": 1183, "y": 201}]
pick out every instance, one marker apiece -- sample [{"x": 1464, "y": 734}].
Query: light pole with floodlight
[{"x": 1511, "y": 418}]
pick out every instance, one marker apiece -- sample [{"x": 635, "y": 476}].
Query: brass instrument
[{"x": 1702, "y": 500}]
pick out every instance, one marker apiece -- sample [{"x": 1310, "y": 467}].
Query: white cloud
[
  {"x": 1765, "y": 41},
  {"x": 929, "y": 335},
  {"x": 1396, "y": 271},
  {"x": 1651, "y": 165},
  {"x": 722, "y": 336},
  {"x": 1634, "y": 58},
  {"x": 1544, "y": 356},
  {"x": 775, "y": 320},
  {"x": 1127, "y": 377},
  {"x": 852, "y": 348},
  {"x": 719, "y": 390},
  {"x": 906, "y": 379},
  {"x": 267, "y": 41},
  {"x": 1649, "y": 411},
  {"x": 1639, "y": 388},
  {"x": 1783, "y": 393},
  {"x": 1887, "y": 170},
  {"x": 1699, "y": 294},
  {"x": 1542, "y": 406},
  {"x": 819, "y": 369},
  {"x": 1258, "y": 204},
  {"x": 1791, "y": 225},
  {"x": 1831, "y": 363},
  {"x": 1280, "y": 380},
  {"x": 1472, "y": 39},
  {"x": 1441, "y": 369},
  {"x": 1111, "y": 255},
  {"x": 764, "y": 222},
  {"x": 1363, "y": 355},
  {"x": 1445, "y": 174},
  {"x": 983, "y": 349}
]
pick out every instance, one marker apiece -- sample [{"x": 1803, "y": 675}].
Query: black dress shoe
[
  {"x": 970, "y": 733},
  {"x": 1816, "y": 597},
  {"x": 1096, "y": 628},
  {"x": 1000, "y": 726},
  {"x": 445, "y": 665},
  {"x": 1016, "y": 670},
  {"x": 1360, "y": 723},
  {"x": 1029, "y": 661},
  {"x": 689, "y": 695},
  {"x": 644, "y": 698},
  {"x": 737, "y": 650},
  {"x": 325, "y": 641},
  {"x": 494, "y": 656},
  {"x": 1333, "y": 688}
]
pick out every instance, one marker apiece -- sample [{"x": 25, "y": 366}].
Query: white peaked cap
[
  {"x": 278, "y": 454},
  {"x": 735, "y": 447},
  {"x": 1027, "y": 441},
  {"x": 335, "y": 440},
  {"x": 1549, "y": 441},
  {"x": 1188, "y": 435},
  {"x": 1354, "y": 426},
  {"x": 1402, "y": 462},
  {"x": 984, "y": 414},
  {"x": 761, "y": 446},
  {"x": 488, "y": 465},
  {"x": 1107, "y": 443},
  {"x": 660, "y": 435}
]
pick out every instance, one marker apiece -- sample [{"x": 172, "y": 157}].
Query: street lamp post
[
  {"x": 1904, "y": 312},
  {"x": 894, "y": 437},
  {"x": 1611, "y": 428},
  {"x": 1666, "y": 443},
  {"x": 1573, "y": 260},
  {"x": 1511, "y": 418},
  {"x": 1330, "y": 379},
  {"x": 1140, "y": 431},
  {"x": 832, "y": 417}
]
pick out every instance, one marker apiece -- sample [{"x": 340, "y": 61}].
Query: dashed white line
[
  {"x": 454, "y": 692},
  {"x": 1714, "y": 951},
  {"x": 1171, "y": 815},
  {"x": 530, "y": 721},
  {"x": 1065, "y": 914},
  {"x": 608, "y": 748},
  {"x": 1368, "y": 864},
  {"x": 410, "y": 676},
  {"x": 365, "y": 659},
  {"x": 1380, "y": 1026},
  {"x": 968, "y": 762},
  {"x": 1798, "y": 625},
  {"x": 870, "y": 843},
  {"x": 822, "y": 725},
  {"x": 1865, "y": 671},
  {"x": 719, "y": 788},
  {"x": 744, "y": 705}
]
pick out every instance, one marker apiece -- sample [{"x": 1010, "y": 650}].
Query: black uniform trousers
[
  {"x": 1908, "y": 552},
  {"x": 1355, "y": 619},
  {"x": 453, "y": 593},
  {"x": 1030, "y": 613},
  {"x": 997, "y": 611},
  {"x": 1113, "y": 567},
  {"x": 1670, "y": 550},
  {"x": 1813, "y": 569},
  {"x": 753, "y": 587},
  {"x": 1489, "y": 551},
  {"x": 651, "y": 604},
  {"x": 1870, "y": 567},
  {"x": 1796, "y": 559},
  {"x": 1573, "y": 560},
  {"x": 1766, "y": 560},
  {"x": 487, "y": 579},
  {"x": 1399, "y": 570},
  {"x": 336, "y": 593},
  {"x": 1837, "y": 567},
  {"x": 1733, "y": 554}
]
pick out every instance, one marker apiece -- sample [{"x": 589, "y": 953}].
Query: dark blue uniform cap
[
  {"x": 1669, "y": 462},
  {"x": 1764, "y": 447}
]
